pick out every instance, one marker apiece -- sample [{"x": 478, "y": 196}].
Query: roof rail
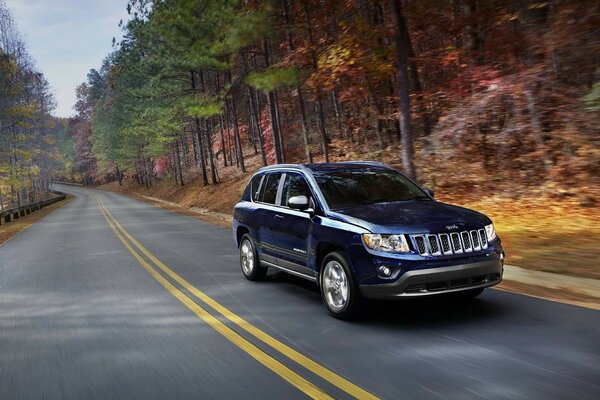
[
  {"x": 361, "y": 162},
  {"x": 277, "y": 166}
]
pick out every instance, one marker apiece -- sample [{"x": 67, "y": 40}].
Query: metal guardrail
[
  {"x": 67, "y": 183},
  {"x": 11, "y": 214}
]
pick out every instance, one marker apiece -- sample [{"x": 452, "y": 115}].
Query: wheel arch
[{"x": 240, "y": 231}]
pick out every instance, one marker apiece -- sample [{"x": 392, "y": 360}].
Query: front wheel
[
  {"x": 249, "y": 261},
  {"x": 338, "y": 289}
]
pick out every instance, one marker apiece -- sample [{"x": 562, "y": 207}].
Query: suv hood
[{"x": 411, "y": 217}]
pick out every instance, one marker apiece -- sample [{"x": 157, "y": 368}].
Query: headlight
[
  {"x": 389, "y": 243},
  {"x": 490, "y": 232}
]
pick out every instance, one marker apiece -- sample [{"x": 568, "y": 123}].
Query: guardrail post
[{"x": 18, "y": 212}]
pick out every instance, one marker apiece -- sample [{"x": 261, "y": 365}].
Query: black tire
[
  {"x": 353, "y": 306},
  {"x": 468, "y": 294},
  {"x": 251, "y": 267}
]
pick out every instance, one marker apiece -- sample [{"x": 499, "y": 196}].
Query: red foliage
[
  {"x": 267, "y": 132},
  {"x": 229, "y": 137},
  {"x": 161, "y": 165}
]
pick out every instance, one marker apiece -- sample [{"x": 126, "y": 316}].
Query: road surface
[{"x": 111, "y": 298}]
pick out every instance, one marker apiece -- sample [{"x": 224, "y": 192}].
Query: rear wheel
[
  {"x": 340, "y": 293},
  {"x": 249, "y": 261}
]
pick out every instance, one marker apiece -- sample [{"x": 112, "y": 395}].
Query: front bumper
[{"x": 440, "y": 280}]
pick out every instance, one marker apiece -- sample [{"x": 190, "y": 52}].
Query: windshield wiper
[
  {"x": 419, "y": 198},
  {"x": 373, "y": 201}
]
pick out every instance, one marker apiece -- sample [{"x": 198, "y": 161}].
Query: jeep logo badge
[{"x": 450, "y": 227}]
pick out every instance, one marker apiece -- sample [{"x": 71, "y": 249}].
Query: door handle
[{"x": 279, "y": 216}]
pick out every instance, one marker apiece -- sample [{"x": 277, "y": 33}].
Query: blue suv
[{"x": 362, "y": 230}]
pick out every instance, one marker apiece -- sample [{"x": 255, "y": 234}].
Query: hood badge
[{"x": 450, "y": 227}]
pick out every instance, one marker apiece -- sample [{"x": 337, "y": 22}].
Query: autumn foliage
[{"x": 500, "y": 95}]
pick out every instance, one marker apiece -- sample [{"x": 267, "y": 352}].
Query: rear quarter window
[{"x": 252, "y": 189}]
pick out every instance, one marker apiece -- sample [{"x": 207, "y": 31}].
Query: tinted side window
[
  {"x": 251, "y": 191},
  {"x": 255, "y": 186},
  {"x": 270, "y": 190},
  {"x": 294, "y": 185}
]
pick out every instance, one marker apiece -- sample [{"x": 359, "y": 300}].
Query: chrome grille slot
[
  {"x": 430, "y": 244},
  {"x": 456, "y": 245},
  {"x": 466, "y": 241},
  {"x": 445, "y": 243},
  {"x": 483, "y": 238},
  {"x": 434, "y": 245},
  {"x": 420, "y": 244},
  {"x": 475, "y": 240}
]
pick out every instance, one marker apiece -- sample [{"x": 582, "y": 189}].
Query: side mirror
[
  {"x": 298, "y": 203},
  {"x": 430, "y": 192}
]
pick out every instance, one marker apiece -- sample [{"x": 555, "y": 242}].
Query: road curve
[{"x": 85, "y": 312}]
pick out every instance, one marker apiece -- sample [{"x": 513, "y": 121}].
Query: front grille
[
  {"x": 475, "y": 240},
  {"x": 445, "y": 243},
  {"x": 420, "y": 244},
  {"x": 456, "y": 246},
  {"x": 448, "y": 244},
  {"x": 483, "y": 238},
  {"x": 466, "y": 241},
  {"x": 434, "y": 245}
]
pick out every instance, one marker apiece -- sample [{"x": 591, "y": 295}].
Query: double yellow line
[{"x": 139, "y": 251}]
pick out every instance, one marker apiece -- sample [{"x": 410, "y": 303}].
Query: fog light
[{"x": 385, "y": 271}]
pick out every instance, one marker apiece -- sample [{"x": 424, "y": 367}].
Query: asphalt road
[{"x": 82, "y": 316}]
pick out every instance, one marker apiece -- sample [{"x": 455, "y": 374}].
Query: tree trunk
[
  {"x": 146, "y": 173},
  {"x": 402, "y": 42},
  {"x": 536, "y": 128},
  {"x": 255, "y": 115},
  {"x": 279, "y": 133},
  {"x": 319, "y": 103},
  {"x": 211, "y": 155},
  {"x": 535, "y": 19},
  {"x": 304, "y": 123},
  {"x": 119, "y": 176},
  {"x": 272, "y": 105},
  {"x": 200, "y": 150},
  {"x": 301, "y": 109},
  {"x": 174, "y": 164},
  {"x": 223, "y": 148},
  {"x": 236, "y": 131},
  {"x": 253, "y": 128},
  {"x": 195, "y": 147},
  {"x": 178, "y": 162},
  {"x": 338, "y": 115},
  {"x": 236, "y": 137}
]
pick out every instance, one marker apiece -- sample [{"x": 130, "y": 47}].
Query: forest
[
  {"x": 467, "y": 96},
  {"x": 32, "y": 141}
]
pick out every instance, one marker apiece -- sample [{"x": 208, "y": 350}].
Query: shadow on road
[
  {"x": 436, "y": 312},
  {"x": 432, "y": 312}
]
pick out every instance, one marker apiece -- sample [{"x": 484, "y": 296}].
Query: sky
[{"x": 66, "y": 38}]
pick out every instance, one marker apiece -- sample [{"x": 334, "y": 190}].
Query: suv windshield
[{"x": 343, "y": 189}]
